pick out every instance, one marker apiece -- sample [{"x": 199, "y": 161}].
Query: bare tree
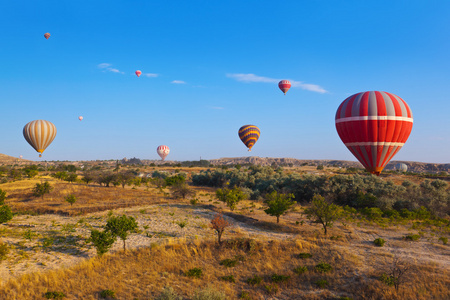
[
  {"x": 219, "y": 224},
  {"x": 397, "y": 273}
]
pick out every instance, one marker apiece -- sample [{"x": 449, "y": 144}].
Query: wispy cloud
[
  {"x": 107, "y": 67},
  {"x": 178, "y": 82},
  {"x": 255, "y": 78},
  {"x": 150, "y": 74}
]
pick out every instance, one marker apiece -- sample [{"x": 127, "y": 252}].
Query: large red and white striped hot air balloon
[
  {"x": 138, "y": 73},
  {"x": 39, "y": 134},
  {"x": 374, "y": 126},
  {"x": 284, "y": 85},
  {"x": 163, "y": 151}
]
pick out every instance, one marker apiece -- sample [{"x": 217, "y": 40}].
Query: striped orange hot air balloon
[
  {"x": 284, "y": 85},
  {"x": 39, "y": 134},
  {"x": 163, "y": 151},
  {"x": 47, "y": 35},
  {"x": 374, "y": 126},
  {"x": 249, "y": 134}
]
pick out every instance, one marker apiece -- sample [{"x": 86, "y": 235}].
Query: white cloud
[
  {"x": 107, "y": 67},
  {"x": 178, "y": 82},
  {"x": 255, "y": 78},
  {"x": 150, "y": 74}
]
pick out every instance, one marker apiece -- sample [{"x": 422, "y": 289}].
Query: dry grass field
[{"x": 49, "y": 252}]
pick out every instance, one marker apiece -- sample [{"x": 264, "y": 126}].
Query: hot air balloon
[
  {"x": 163, "y": 151},
  {"x": 284, "y": 85},
  {"x": 47, "y": 35},
  {"x": 249, "y": 134},
  {"x": 39, "y": 134},
  {"x": 80, "y": 118},
  {"x": 20, "y": 156},
  {"x": 374, "y": 126},
  {"x": 401, "y": 167},
  {"x": 138, "y": 73}
]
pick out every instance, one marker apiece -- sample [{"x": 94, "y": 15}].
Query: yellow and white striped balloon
[{"x": 39, "y": 134}]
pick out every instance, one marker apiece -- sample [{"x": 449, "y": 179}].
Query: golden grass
[{"x": 142, "y": 274}]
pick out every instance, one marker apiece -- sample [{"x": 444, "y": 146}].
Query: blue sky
[{"x": 210, "y": 67}]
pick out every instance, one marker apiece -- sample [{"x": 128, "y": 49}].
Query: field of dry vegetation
[{"x": 49, "y": 251}]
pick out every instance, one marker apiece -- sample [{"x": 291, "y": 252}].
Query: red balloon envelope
[
  {"x": 374, "y": 126},
  {"x": 138, "y": 73},
  {"x": 284, "y": 85},
  {"x": 47, "y": 35}
]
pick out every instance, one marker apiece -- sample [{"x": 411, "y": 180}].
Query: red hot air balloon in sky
[
  {"x": 138, "y": 73},
  {"x": 284, "y": 85},
  {"x": 163, "y": 151},
  {"x": 374, "y": 126},
  {"x": 47, "y": 35}
]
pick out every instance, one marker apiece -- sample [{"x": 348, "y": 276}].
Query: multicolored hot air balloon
[
  {"x": 249, "y": 134},
  {"x": 284, "y": 85},
  {"x": 39, "y": 134},
  {"x": 80, "y": 118},
  {"x": 138, "y": 73},
  {"x": 163, "y": 151},
  {"x": 47, "y": 35},
  {"x": 374, "y": 126}
]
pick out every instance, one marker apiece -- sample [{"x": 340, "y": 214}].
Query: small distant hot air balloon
[
  {"x": 20, "y": 156},
  {"x": 163, "y": 151},
  {"x": 47, "y": 35},
  {"x": 249, "y": 134},
  {"x": 284, "y": 85},
  {"x": 138, "y": 73},
  {"x": 80, "y": 118},
  {"x": 39, "y": 134},
  {"x": 374, "y": 126},
  {"x": 401, "y": 167}
]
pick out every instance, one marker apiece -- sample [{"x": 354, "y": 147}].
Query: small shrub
[
  {"x": 71, "y": 199},
  {"x": 387, "y": 279},
  {"x": 321, "y": 283},
  {"x": 229, "y": 278},
  {"x": 444, "y": 240},
  {"x": 209, "y": 294},
  {"x": 108, "y": 294},
  {"x": 5, "y": 214},
  {"x": 4, "y": 250},
  {"x": 168, "y": 294},
  {"x": 245, "y": 295},
  {"x": 304, "y": 255},
  {"x": 48, "y": 242},
  {"x": 323, "y": 267},
  {"x": 280, "y": 278},
  {"x": 182, "y": 224},
  {"x": 29, "y": 234},
  {"x": 379, "y": 242},
  {"x": 193, "y": 201},
  {"x": 411, "y": 237},
  {"x": 195, "y": 272},
  {"x": 229, "y": 263},
  {"x": 255, "y": 280},
  {"x": 54, "y": 295},
  {"x": 300, "y": 270},
  {"x": 271, "y": 289}
]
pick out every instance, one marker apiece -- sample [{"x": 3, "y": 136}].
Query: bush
[
  {"x": 279, "y": 278},
  {"x": 300, "y": 270},
  {"x": 444, "y": 240},
  {"x": 411, "y": 237},
  {"x": 5, "y": 214},
  {"x": 108, "y": 294},
  {"x": 40, "y": 189},
  {"x": 245, "y": 295},
  {"x": 387, "y": 279},
  {"x": 271, "y": 289},
  {"x": 229, "y": 278},
  {"x": 323, "y": 267},
  {"x": 54, "y": 295},
  {"x": 71, "y": 199},
  {"x": 255, "y": 280},
  {"x": 304, "y": 255},
  {"x": 209, "y": 294},
  {"x": 321, "y": 283},
  {"x": 195, "y": 272},
  {"x": 102, "y": 240},
  {"x": 379, "y": 242},
  {"x": 4, "y": 250},
  {"x": 168, "y": 294},
  {"x": 228, "y": 262}
]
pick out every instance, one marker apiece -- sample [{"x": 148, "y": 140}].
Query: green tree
[
  {"x": 5, "y": 214},
  {"x": 71, "y": 177},
  {"x": 2, "y": 197},
  {"x": 230, "y": 197},
  {"x": 323, "y": 212},
  {"x": 125, "y": 178},
  {"x": 278, "y": 204},
  {"x": 102, "y": 240},
  {"x": 121, "y": 226},
  {"x": 40, "y": 189},
  {"x": 87, "y": 177},
  {"x": 182, "y": 190},
  {"x": 71, "y": 199}
]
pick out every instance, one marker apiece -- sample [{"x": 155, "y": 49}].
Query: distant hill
[
  {"x": 417, "y": 167},
  {"x": 7, "y": 160}
]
